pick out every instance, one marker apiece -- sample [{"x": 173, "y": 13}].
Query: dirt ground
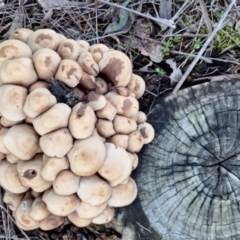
[{"x": 173, "y": 44}]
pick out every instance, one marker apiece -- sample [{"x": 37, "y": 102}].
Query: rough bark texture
[{"x": 189, "y": 176}]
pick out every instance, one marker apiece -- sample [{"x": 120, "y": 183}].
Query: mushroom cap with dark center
[{"x": 189, "y": 176}]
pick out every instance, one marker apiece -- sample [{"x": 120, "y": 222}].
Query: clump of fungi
[{"x": 70, "y": 129}]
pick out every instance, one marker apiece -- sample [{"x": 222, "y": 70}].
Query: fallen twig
[{"x": 207, "y": 42}]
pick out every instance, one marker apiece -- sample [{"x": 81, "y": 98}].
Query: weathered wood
[{"x": 189, "y": 176}]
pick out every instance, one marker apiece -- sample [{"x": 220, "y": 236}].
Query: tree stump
[{"x": 189, "y": 176}]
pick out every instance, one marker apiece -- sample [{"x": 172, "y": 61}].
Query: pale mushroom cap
[
  {"x": 117, "y": 66},
  {"x": 22, "y": 141},
  {"x": 88, "y": 81},
  {"x": 12, "y": 101},
  {"x": 85, "y": 159},
  {"x": 69, "y": 72},
  {"x": 141, "y": 117},
  {"x": 126, "y": 106},
  {"x": 43, "y": 38},
  {"x": 123, "y": 194},
  {"x": 120, "y": 140},
  {"x": 51, "y": 222},
  {"x": 60, "y": 205},
  {"x": 52, "y": 166},
  {"x": 84, "y": 45},
  {"x": 57, "y": 143},
  {"x": 46, "y": 62},
  {"x": 18, "y": 71},
  {"x": 135, "y": 141},
  {"x": 3, "y": 132},
  {"x": 38, "y": 101},
  {"x": 8, "y": 123},
  {"x": 135, "y": 160},
  {"x": 38, "y": 210},
  {"x": 69, "y": 49},
  {"x": 137, "y": 85},
  {"x": 21, "y": 34},
  {"x": 123, "y": 91},
  {"x": 30, "y": 174},
  {"x": 88, "y": 64},
  {"x": 82, "y": 121},
  {"x": 108, "y": 112},
  {"x": 61, "y": 37},
  {"x": 94, "y": 190},
  {"x": 96, "y": 101},
  {"x": 54, "y": 118},
  {"x": 22, "y": 215},
  {"x": 12, "y": 159},
  {"x": 86, "y": 210},
  {"x": 147, "y": 131},
  {"x": 79, "y": 222},
  {"x": 66, "y": 183},
  {"x": 12, "y": 200},
  {"x": 105, "y": 128},
  {"x": 39, "y": 84},
  {"x": 119, "y": 158},
  {"x": 97, "y": 51},
  {"x": 11, "y": 49},
  {"x": 124, "y": 125},
  {"x": 105, "y": 217},
  {"x": 9, "y": 178}
]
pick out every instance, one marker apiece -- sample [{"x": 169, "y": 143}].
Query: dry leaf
[{"x": 176, "y": 74}]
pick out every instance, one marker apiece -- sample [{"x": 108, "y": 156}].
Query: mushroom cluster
[{"x": 63, "y": 158}]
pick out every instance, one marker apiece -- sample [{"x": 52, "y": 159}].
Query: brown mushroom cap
[
  {"x": 137, "y": 85},
  {"x": 9, "y": 178},
  {"x": 38, "y": 210},
  {"x": 82, "y": 121},
  {"x": 97, "y": 51},
  {"x": 101, "y": 86},
  {"x": 135, "y": 141},
  {"x": 18, "y": 71},
  {"x": 84, "y": 45},
  {"x": 105, "y": 217},
  {"x": 38, "y": 101},
  {"x": 12, "y": 101},
  {"x": 66, "y": 183},
  {"x": 96, "y": 101},
  {"x": 52, "y": 166},
  {"x": 123, "y": 194},
  {"x": 51, "y": 222},
  {"x": 124, "y": 125},
  {"x": 46, "y": 62},
  {"x": 85, "y": 159},
  {"x": 94, "y": 190},
  {"x": 12, "y": 200},
  {"x": 119, "y": 158},
  {"x": 43, "y": 38},
  {"x": 88, "y": 64},
  {"x": 79, "y": 222},
  {"x": 30, "y": 174},
  {"x": 105, "y": 128},
  {"x": 147, "y": 131},
  {"x": 11, "y": 49},
  {"x": 60, "y": 205},
  {"x": 21, "y": 34},
  {"x": 22, "y": 141},
  {"x": 54, "y": 118},
  {"x": 117, "y": 66},
  {"x": 57, "y": 143},
  {"x": 69, "y": 49},
  {"x": 69, "y": 72},
  {"x": 88, "y": 81}
]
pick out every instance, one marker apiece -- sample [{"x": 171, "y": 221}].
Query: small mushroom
[
  {"x": 94, "y": 190},
  {"x": 60, "y": 205},
  {"x": 57, "y": 143},
  {"x": 105, "y": 128},
  {"x": 123, "y": 194},
  {"x": 46, "y": 62},
  {"x": 52, "y": 166},
  {"x": 54, "y": 118},
  {"x": 84, "y": 45},
  {"x": 120, "y": 140},
  {"x": 101, "y": 86},
  {"x": 69, "y": 49},
  {"x": 96, "y": 101},
  {"x": 18, "y": 71},
  {"x": 38, "y": 210},
  {"x": 135, "y": 141},
  {"x": 108, "y": 112},
  {"x": 21, "y": 34},
  {"x": 38, "y": 101},
  {"x": 84, "y": 159},
  {"x": 66, "y": 183},
  {"x": 12, "y": 159},
  {"x": 147, "y": 131},
  {"x": 137, "y": 85},
  {"x": 135, "y": 160},
  {"x": 140, "y": 117},
  {"x": 69, "y": 72},
  {"x": 88, "y": 64},
  {"x": 79, "y": 222},
  {"x": 39, "y": 84},
  {"x": 82, "y": 121},
  {"x": 97, "y": 51},
  {"x": 12, "y": 101},
  {"x": 8, "y": 123},
  {"x": 43, "y": 38},
  {"x": 105, "y": 217},
  {"x": 51, "y": 222},
  {"x": 22, "y": 141},
  {"x": 124, "y": 125},
  {"x": 123, "y": 91},
  {"x": 12, "y": 200},
  {"x": 88, "y": 82},
  {"x": 12, "y": 49},
  {"x": 117, "y": 66}
]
